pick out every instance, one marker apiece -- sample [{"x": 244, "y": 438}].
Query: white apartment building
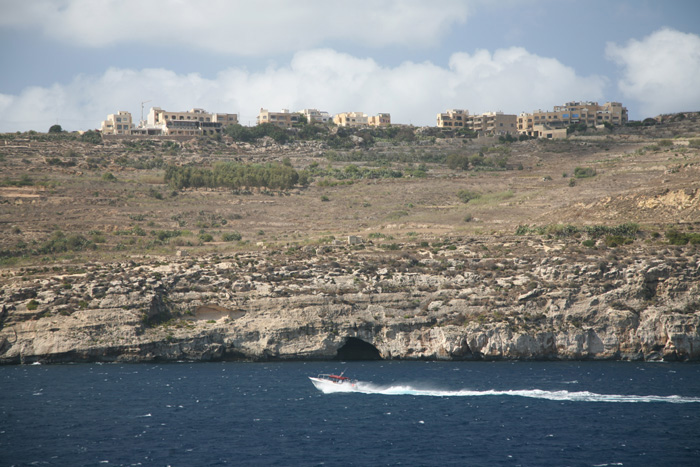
[
  {"x": 193, "y": 122},
  {"x": 316, "y": 116}
]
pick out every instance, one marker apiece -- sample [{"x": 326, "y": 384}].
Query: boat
[{"x": 333, "y": 383}]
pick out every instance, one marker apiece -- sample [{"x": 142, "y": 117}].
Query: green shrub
[
  {"x": 205, "y": 237},
  {"x": 675, "y": 237},
  {"x": 153, "y": 193},
  {"x": 613, "y": 241},
  {"x": 467, "y": 195},
  {"x": 109, "y": 177},
  {"x": 562, "y": 230},
  {"x": 523, "y": 230},
  {"x": 590, "y": 243},
  {"x": 233, "y": 175},
  {"x": 231, "y": 237},
  {"x": 60, "y": 243},
  {"x": 164, "y": 235},
  {"x": 584, "y": 172},
  {"x": 24, "y": 180},
  {"x": 32, "y": 305},
  {"x": 91, "y": 136}
]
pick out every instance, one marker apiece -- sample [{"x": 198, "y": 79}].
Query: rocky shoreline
[{"x": 521, "y": 298}]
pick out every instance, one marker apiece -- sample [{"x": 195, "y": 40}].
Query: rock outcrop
[{"x": 447, "y": 303}]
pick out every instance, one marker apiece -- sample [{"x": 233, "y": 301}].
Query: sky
[{"x": 73, "y": 62}]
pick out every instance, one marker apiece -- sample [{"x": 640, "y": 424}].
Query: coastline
[{"x": 261, "y": 306}]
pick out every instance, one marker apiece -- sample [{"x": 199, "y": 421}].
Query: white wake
[{"x": 576, "y": 396}]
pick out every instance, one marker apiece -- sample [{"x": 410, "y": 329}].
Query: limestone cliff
[{"x": 525, "y": 299}]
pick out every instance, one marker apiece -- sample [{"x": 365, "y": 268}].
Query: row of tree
[{"x": 233, "y": 175}]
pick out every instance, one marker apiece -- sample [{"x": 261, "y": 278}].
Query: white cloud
[
  {"x": 511, "y": 80},
  {"x": 661, "y": 72},
  {"x": 239, "y": 27}
]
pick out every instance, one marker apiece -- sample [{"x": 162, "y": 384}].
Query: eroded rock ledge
[{"x": 520, "y": 299}]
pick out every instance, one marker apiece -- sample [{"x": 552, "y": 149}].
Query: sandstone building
[
  {"x": 454, "y": 118},
  {"x": 284, "y": 119},
  {"x": 491, "y": 123},
  {"x": 379, "y": 120},
  {"x": 593, "y": 115},
  {"x": 359, "y": 119},
  {"x": 118, "y": 124}
]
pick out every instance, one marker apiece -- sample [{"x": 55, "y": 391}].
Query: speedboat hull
[{"x": 328, "y": 386}]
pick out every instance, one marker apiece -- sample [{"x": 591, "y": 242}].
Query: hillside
[{"x": 468, "y": 248}]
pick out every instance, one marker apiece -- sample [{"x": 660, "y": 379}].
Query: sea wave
[{"x": 574, "y": 396}]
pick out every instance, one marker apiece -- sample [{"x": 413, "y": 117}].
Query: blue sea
[{"x": 408, "y": 413}]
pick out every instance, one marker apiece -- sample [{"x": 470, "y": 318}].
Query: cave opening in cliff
[{"x": 357, "y": 349}]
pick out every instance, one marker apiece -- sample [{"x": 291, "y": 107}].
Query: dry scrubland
[
  {"x": 648, "y": 176},
  {"x": 595, "y": 210}
]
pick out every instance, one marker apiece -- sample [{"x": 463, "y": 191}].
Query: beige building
[
  {"x": 454, "y": 118},
  {"x": 351, "y": 119},
  {"x": 118, "y": 124},
  {"x": 359, "y": 119},
  {"x": 225, "y": 119},
  {"x": 492, "y": 123},
  {"x": 284, "y": 119},
  {"x": 379, "y": 120},
  {"x": 547, "y": 132},
  {"x": 590, "y": 113}
]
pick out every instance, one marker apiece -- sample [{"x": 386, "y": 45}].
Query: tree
[
  {"x": 56, "y": 129},
  {"x": 302, "y": 120},
  {"x": 90, "y": 136}
]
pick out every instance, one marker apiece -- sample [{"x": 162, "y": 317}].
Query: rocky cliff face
[{"x": 520, "y": 299}]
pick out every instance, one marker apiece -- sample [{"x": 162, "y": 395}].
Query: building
[
  {"x": 590, "y": 113},
  {"x": 547, "y": 132},
  {"x": 193, "y": 122},
  {"x": 379, "y": 120},
  {"x": 284, "y": 119},
  {"x": 316, "y": 116},
  {"x": 225, "y": 119},
  {"x": 492, "y": 123},
  {"x": 351, "y": 119},
  {"x": 120, "y": 123},
  {"x": 453, "y": 118},
  {"x": 359, "y": 119}
]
